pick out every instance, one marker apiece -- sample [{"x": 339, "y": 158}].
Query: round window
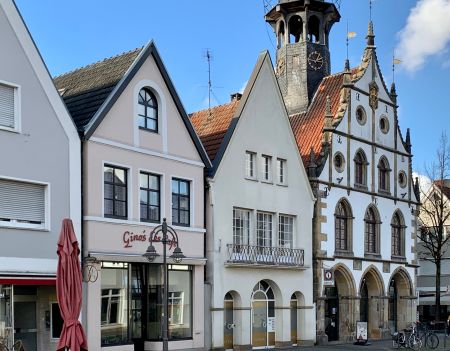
[
  {"x": 402, "y": 179},
  {"x": 339, "y": 162},
  {"x": 361, "y": 115},
  {"x": 384, "y": 124}
]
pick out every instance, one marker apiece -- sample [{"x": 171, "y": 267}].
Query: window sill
[
  {"x": 360, "y": 186},
  {"x": 344, "y": 253},
  {"x": 11, "y": 130},
  {"x": 267, "y": 182},
  {"x": 24, "y": 226},
  {"x": 372, "y": 255},
  {"x": 181, "y": 225},
  {"x": 116, "y": 217},
  {"x": 398, "y": 258},
  {"x": 285, "y": 185},
  {"x": 384, "y": 192},
  {"x": 148, "y": 130},
  {"x": 251, "y": 179}
]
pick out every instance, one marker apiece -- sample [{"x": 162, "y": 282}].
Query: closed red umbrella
[{"x": 68, "y": 289}]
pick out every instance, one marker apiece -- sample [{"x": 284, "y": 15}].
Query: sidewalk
[{"x": 375, "y": 345}]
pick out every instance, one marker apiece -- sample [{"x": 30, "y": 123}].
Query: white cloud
[
  {"x": 424, "y": 182},
  {"x": 243, "y": 87},
  {"x": 427, "y": 33}
]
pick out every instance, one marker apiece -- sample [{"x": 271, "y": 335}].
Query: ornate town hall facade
[{"x": 359, "y": 166}]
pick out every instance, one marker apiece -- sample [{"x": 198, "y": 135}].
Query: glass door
[
  {"x": 259, "y": 323},
  {"x": 25, "y": 324},
  {"x": 6, "y": 328}
]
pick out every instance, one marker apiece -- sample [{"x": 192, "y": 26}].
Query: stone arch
[
  {"x": 401, "y": 309},
  {"x": 371, "y": 307},
  {"x": 314, "y": 32},
  {"x": 339, "y": 305},
  {"x": 295, "y": 28}
]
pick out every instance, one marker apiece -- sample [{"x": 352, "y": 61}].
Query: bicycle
[
  {"x": 414, "y": 341},
  {"x": 407, "y": 338},
  {"x": 17, "y": 346},
  {"x": 429, "y": 337}
]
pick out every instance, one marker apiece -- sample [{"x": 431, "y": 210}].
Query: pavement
[{"x": 375, "y": 345}]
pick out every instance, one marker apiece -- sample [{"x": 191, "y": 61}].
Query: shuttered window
[
  {"x": 22, "y": 202},
  {"x": 6, "y": 106}
]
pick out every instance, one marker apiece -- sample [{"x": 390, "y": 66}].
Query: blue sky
[{"x": 76, "y": 33}]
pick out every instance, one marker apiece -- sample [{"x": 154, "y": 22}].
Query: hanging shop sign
[{"x": 328, "y": 277}]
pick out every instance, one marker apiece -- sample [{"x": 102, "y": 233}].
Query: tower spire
[{"x": 370, "y": 35}]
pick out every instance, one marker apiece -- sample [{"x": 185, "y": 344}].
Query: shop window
[
  {"x": 56, "y": 321},
  {"x": 114, "y": 304}
]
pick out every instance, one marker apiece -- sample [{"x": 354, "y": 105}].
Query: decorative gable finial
[
  {"x": 370, "y": 36},
  {"x": 312, "y": 166},
  {"x": 328, "y": 107},
  {"x": 393, "y": 93},
  {"x": 408, "y": 140},
  {"x": 347, "y": 65},
  {"x": 417, "y": 189}
]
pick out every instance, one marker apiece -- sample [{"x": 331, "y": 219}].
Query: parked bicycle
[
  {"x": 428, "y": 336},
  {"x": 17, "y": 346},
  {"x": 408, "y": 338}
]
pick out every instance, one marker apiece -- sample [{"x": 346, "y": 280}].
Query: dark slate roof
[{"x": 85, "y": 89}]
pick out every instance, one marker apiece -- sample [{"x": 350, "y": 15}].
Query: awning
[{"x": 28, "y": 281}]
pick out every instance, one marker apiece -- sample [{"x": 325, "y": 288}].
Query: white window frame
[
  {"x": 191, "y": 201},
  {"x": 129, "y": 189},
  {"x": 47, "y": 222},
  {"x": 250, "y": 159},
  {"x": 249, "y": 212},
  {"x": 267, "y": 178},
  {"x": 292, "y": 218},
  {"x": 283, "y": 162},
  {"x": 17, "y": 108},
  {"x": 270, "y": 237}
]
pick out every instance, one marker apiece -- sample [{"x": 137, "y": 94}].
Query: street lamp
[{"x": 169, "y": 237}]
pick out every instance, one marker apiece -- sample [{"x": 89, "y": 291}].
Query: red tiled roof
[
  {"x": 308, "y": 126},
  {"x": 212, "y": 124}
]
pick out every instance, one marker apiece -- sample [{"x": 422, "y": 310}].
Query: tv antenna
[{"x": 209, "y": 57}]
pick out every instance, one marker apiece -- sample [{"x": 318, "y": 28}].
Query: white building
[
  {"x": 365, "y": 216},
  {"x": 259, "y": 233},
  {"x": 40, "y": 185}
]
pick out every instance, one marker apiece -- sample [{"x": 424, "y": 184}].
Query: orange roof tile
[
  {"x": 212, "y": 124},
  {"x": 308, "y": 126}
]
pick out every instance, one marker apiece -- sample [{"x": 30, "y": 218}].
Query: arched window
[
  {"x": 295, "y": 29},
  {"x": 360, "y": 168},
  {"x": 281, "y": 32},
  {"x": 372, "y": 222},
  {"x": 342, "y": 225},
  {"x": 383, "y": 174},
  {"x": 397, "y": 230},
  {"x": 313, "y": 29},
  {"x": 147, "y": 110}
]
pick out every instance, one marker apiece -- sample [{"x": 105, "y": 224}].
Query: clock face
[{"x": 315, "y": 60}]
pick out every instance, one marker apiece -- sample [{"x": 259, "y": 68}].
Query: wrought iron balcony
[{"x": 259, "y": 255}]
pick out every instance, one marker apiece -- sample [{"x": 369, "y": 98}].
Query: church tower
[{"x": 302, "y": 28}]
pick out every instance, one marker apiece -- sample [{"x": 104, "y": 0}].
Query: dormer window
[{"x": 147, "y": 110}]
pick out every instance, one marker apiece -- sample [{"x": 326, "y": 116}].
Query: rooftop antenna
[
  {"x": 208, "y": 56},
  {"x": 370, "y": 10}
]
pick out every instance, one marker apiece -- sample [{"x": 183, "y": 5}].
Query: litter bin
[{"x": 138, "y": 344}]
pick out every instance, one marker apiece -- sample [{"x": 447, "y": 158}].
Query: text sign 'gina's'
[{"x": 129, "y": 238}]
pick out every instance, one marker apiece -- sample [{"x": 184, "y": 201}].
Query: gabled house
[
  {"x": 142, "y": 162},
  {"x": 40, "y": 184},
  {"x": 259, "y": 208},
  {"x": 360, "y": 168}
]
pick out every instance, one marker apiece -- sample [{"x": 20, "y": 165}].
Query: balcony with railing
[{"x": 256, "y": 256}]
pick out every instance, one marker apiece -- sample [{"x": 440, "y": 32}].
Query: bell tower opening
[{"x": 303, "y": 58}]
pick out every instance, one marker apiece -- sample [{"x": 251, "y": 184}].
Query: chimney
[{"x": 235, "y": 97}]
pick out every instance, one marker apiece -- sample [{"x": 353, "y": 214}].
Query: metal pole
[{"x": 166, "y": 292}]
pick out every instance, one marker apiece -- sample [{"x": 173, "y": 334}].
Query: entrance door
[
  {"x": 25, "y": 323},
  {"x": 364, "y": 304},
  {"x": 263, "y": 316},
  {"x": 228, "y": 322},
  {"x": 332, "y": 313},
  {"x": 393, "y": 306},
  {"x": 294, "y": 322}
]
